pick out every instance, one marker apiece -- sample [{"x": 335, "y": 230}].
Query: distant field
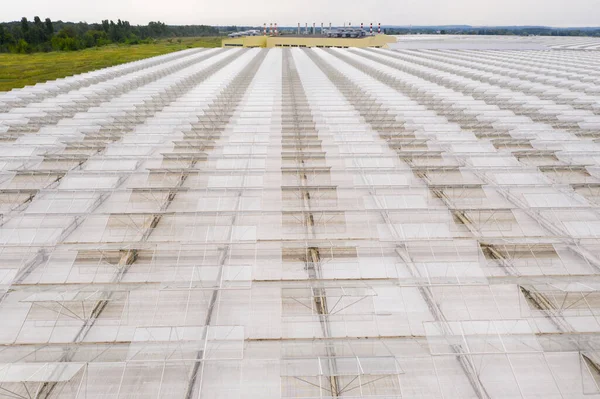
[{"x": 19, "y": 70}]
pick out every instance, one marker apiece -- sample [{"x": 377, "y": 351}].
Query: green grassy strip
[{"x": 19, "y": 70}]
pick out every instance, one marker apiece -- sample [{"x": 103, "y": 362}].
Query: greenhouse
[{"x": 304, "y": 223}]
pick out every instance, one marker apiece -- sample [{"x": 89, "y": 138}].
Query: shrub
[{"x": 22, "y": 47}]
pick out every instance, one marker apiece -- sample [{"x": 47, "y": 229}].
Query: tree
[
  {"x": 46, "y": 35},
  {"x": 37, "y": 32},
  {"x": 94, "y": 38},
  {"x": 49, "y": 27},
  {"x": 6, "y": 39},
  {"x": 157, "y": 29},
  {"x": 113, "y": 32},
  {"x": 24, "y": 27},
  {"x": 65, "y": 40},
  {"x": 22, "y": 47}
]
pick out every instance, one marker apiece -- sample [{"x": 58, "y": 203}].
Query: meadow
[{"x": 19, "y": 70}]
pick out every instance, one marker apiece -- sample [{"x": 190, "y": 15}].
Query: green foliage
[
  {"x": 94, "y": 38},
  {"x": 49, "y": 27},
  {"x": 22, "y": 47},
  {"x": 43, "y": 36},
  {"x": 24, "y": 25},
  {"x": 66, "y": 40},
  {"x": 132, "y": 39}
]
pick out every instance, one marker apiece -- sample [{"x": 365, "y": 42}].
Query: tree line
[
  {"x": 35, "y": 36},
  {"x": 509, "y": 31}
]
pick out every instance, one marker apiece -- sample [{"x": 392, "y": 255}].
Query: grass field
[{"x": 19, "y": 70}]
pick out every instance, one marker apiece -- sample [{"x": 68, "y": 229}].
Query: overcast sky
[{"x": 290, "y": 12}]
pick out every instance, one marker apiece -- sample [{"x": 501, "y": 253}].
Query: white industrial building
[{"x": 304, "y": 223}]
